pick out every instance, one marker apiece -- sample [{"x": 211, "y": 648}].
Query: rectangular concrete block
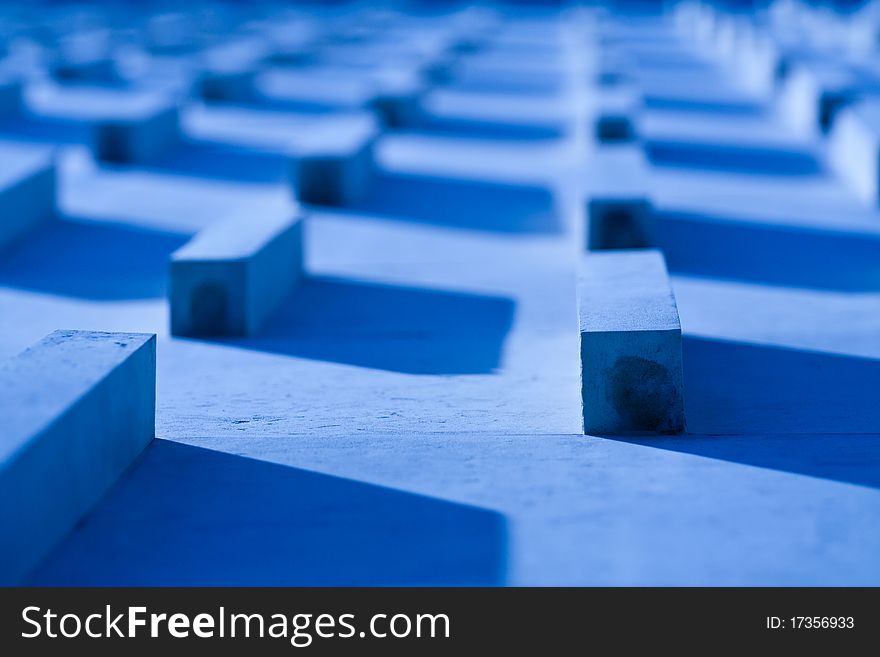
[
  {"x": 228, "y": 71},
  {"x": 78, "y": 407},
  {"x": 333, "y": 164},
  {"x": 233, "y": 275},
  {"x": 854, "y": 149},
  {"x": 617, "y": 111},
  {"x": 27, "y": 189},
  {"x": 127, "y": 126},
  {"x": 138, "y": 137},
  {"x": 398, "y": 99},
  {"x": 314, "y": 88},
  {"x": 10, "y": 96},
  {"x": 618, "y": 198},
  {"x": 630, "y": 337},
  {"x": 76, "y": 66}
]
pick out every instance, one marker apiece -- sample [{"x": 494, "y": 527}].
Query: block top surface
[
  {"x": 320, "y": 84},
  {"x": 97, "y": 103},
  {"x": 18, "y": 162},
  {"x": 40, "y": 383},
  {"x": 626, "y": 291},
  {"x": 337, "y": 135},
  {"x": 618, "y": 100},
  {"x": 617, "y": 170},
  {"x": 237, "y": 238}
]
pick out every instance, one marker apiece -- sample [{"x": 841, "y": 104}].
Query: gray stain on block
[{"x": 640, "y": 391}]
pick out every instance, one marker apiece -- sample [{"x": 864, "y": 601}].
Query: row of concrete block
[
  {"x": 820, "y": 87},
  {"x": 630, "y": 333},
  {"x": 329, "y": 164}
]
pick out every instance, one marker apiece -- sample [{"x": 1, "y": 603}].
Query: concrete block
[
  {"x": 617, "y": 114},
  {"x": 233, "y": 275},
  {"x": 125, "y": 126},
  {"x": 85, "y": 67},
  {"x": 618, "y": 198},
  {"x": 137, "y": 137},
  {"x": 314, "y": 88},
  {"x": 333, "y": 164},
  {"x": 228, "y": 71},
  {"x": 398, "y": 99},
  {"x": 630, "y": 337},
  {"x": 78, "y": 407},
  {"x": 854, "y": 149},
  {"x": 10, "y": 96},
  {"x": 27, "y": 189},
  {"x": 813, "y": 93}
]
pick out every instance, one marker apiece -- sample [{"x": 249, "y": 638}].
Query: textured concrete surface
[
  {"x": 415, "y": 417},
  {"x": 630, "y": 341}
]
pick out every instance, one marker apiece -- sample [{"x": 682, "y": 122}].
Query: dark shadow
[
  {"x": 852, "y": 459},
  {"x": 789, "y": 410},
  {"x": 704, "y": 105},
  {"x": 228, "y": 162},
  {"x": 738, "y": 388},
  {"x": 388, "y": 327},
  {"x": 792, "y": 256},
  {"x": 487, "y": 128},
  {"x": 507, "y": 81},
  {"x": 460, "y": 203},
  {"x": 738, "y": 158},
  {"x": 52, "y": 132},
  {"x": 187, "y": 516},
  {"x": 91, "y": 260}
]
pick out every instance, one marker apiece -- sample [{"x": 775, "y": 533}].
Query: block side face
[
  {"x": 626, "y": 291},
  {"x": 131, "y": 141},
  {"x": 632, "y": 382},
  {"x": 272, "y": 275},
  {"x": 27, "y": 203},
  {"x": 64, "y": 469},
  {"x": 618, "y": 224},
  {"x": 208, "y": 297},
  {"x": 319, "y": 180}
]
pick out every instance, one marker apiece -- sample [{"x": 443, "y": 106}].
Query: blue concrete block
[
  {"x": 398, "y": 99},
  {"x": 618, "y": 199},
  {"x": 84, "y": 67},
  {"x": 27, "y": 189},
  {"x": 616, "y": 114},
  {"x": 854, "y": 149},
  {"x": 139, "y": 136},
  {"x": 324, "y": 88},
  {"x": 334, "y": 163},
  {"x": 10, "y": 96},
  {"x": 630, "y": 336},
  {"x": 126, "y": 126},
  {"x": 78, "y": 407},
  {"x": 228, "y": 71},
  {"x": 233, "y": 275},
  {"x": 227, "y": 82}
]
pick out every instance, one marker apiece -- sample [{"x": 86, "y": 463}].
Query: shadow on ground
[
  {"x": 91, "y": 260},
  {"x": 749, "y": 251},
  {"x": 187, "y": 516},
  {"x": 388, "y": 327},
  {"x": 738, "y": 388},
  {"x": 460, "y": 203}
]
